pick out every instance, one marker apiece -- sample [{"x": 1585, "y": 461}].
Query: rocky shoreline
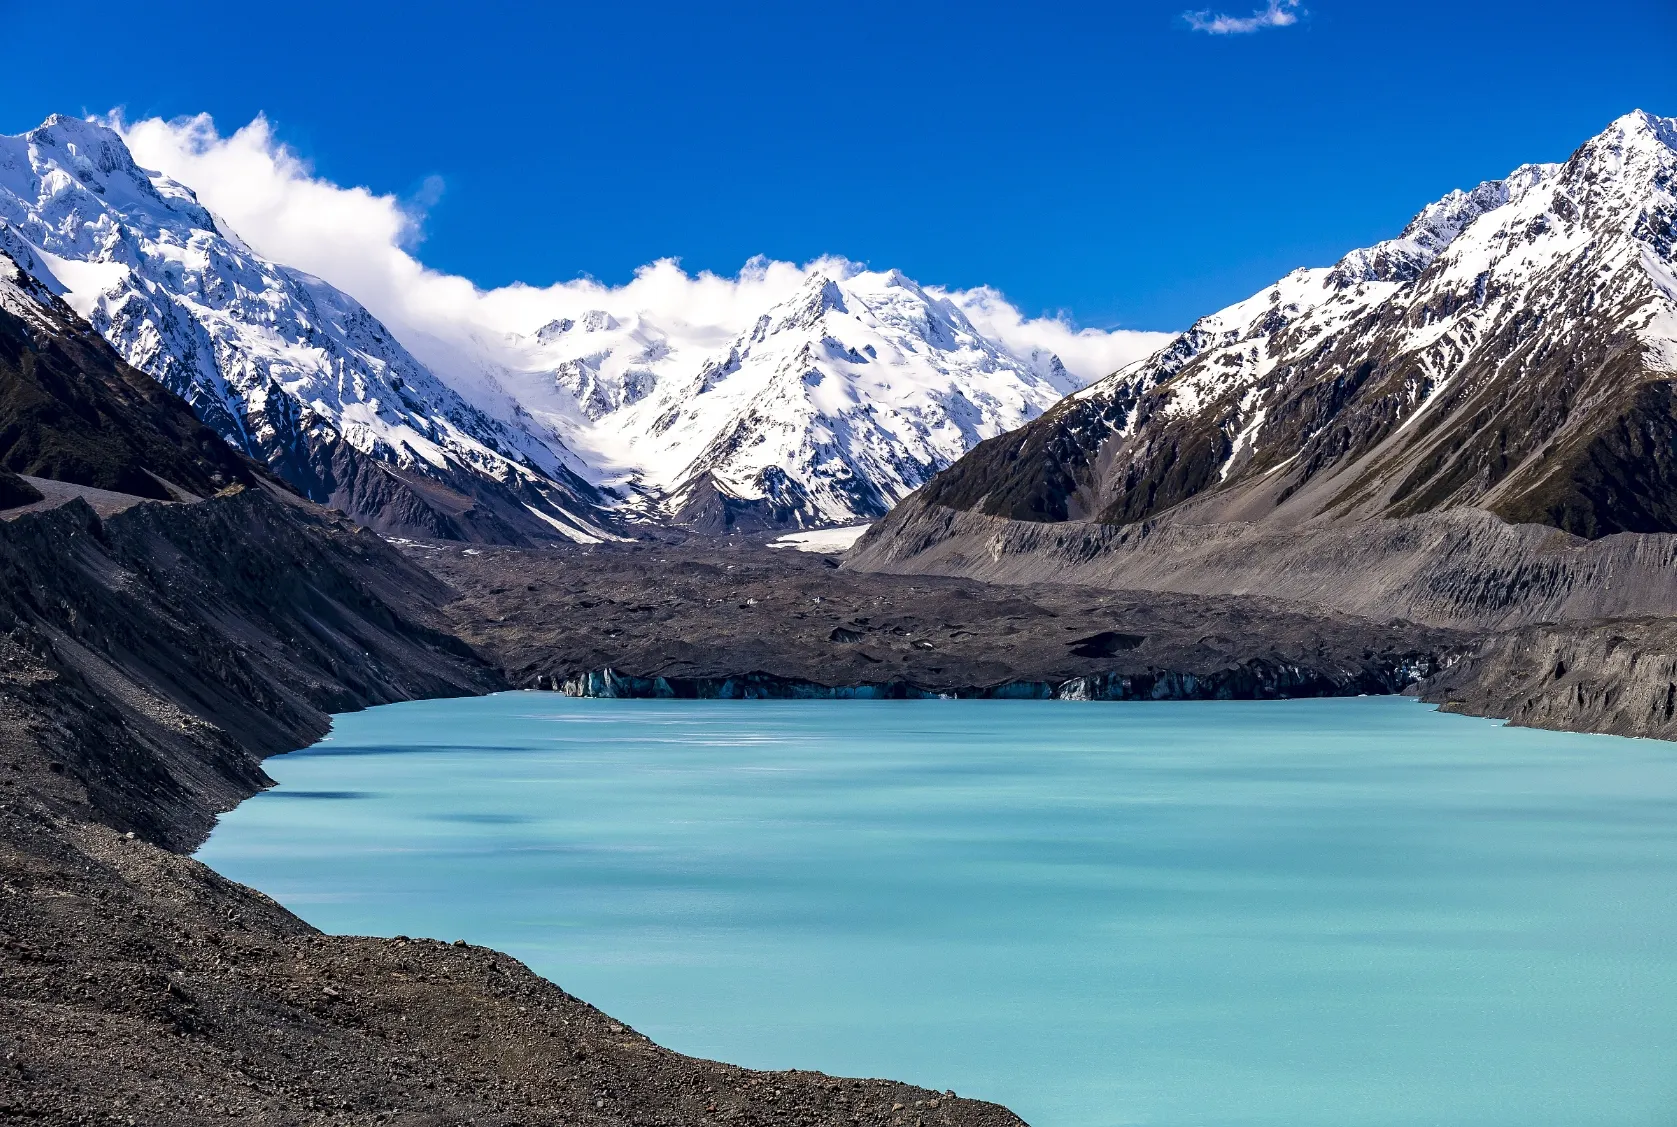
[
  {"x": 1616, "y": 677},
  {"x": 150, "y": 660},
  {"x": 152, "y": 657}
]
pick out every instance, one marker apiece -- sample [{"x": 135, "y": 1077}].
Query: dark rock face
[
  {"x": 710, "y": 508},
  {"x": 14, "y": 491},
  {"x": 418, "y": 500},
  {"x": 185, "y": 642},
  {"x": 1108, "y": 643},
  {"x": 728, "y": 619},
  {"x": 399, "y": 502},
  {"x": 72, "y": 410}
]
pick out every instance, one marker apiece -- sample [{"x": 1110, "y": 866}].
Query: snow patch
[{"x": 831, "y": 541}]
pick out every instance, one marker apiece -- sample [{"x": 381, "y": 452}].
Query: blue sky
[{"x": 1107, "y": 160}]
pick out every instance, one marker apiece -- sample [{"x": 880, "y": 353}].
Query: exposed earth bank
[
  {"x": 1464, "y": 568},
  {"x": 1617, "y": 676}
]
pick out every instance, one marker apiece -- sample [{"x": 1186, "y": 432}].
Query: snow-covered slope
[
  {"x": 1514, "y": 350},
  {"x": 833, "y": 406},
  {"x": 830, "y": 408},
  {"x": 283, "y": 366}
]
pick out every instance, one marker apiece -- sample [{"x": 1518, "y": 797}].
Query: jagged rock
[{"x": 14, "y": 491}]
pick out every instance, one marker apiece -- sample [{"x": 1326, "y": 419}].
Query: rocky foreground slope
[{"x": 147, "y": 662}]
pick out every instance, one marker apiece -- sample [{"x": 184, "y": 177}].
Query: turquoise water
[{"x": 1345, "y": 912}]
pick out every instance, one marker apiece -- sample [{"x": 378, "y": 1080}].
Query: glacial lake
[{"x": 1335, "y": 913}]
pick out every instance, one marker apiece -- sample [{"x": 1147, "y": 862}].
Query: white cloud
[
  {"x": 365, "y": 244},
  {"x": 1279, "y": 13},
  {"x": 1088, "y": 354}
]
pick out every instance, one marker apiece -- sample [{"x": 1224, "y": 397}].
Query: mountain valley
[{"x": 232, "y": 503}]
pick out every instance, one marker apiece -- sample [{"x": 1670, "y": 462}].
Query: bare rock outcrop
[{"x": 1617, "y": 676}]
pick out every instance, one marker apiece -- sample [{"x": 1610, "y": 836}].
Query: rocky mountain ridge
[
  {"x": 584, "y": 428},
  {"x": 1471, "y": 424},
  {"x": 834, "y": 405},
  {"x": 1512, "y": 350},
  {"x": 285, "y": 368}
]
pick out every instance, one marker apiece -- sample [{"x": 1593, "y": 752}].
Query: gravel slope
[{"x": 147, "y": 662}]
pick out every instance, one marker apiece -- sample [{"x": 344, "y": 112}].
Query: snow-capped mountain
[
  {"x": 1514, "y": 350},
  {"x": 834, "y": 405},
  {"x": 831, "y": 407},
  {"x": 283, "y": 366}
]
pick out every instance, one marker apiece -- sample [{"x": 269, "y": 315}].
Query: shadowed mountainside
[{"x": 72, "y": 410}]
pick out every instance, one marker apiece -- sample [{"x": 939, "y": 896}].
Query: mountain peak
[
  {"x": 1631, "y": 139},
  {"x": 1642, "y": 124},
  {"x": 818, "y": 295},
  {"x": 61, "y": 125},
  {"x": 89, "y": 148},
  {"x": 96, "y": 161},
  {"x": 1493, "y": 313}
]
